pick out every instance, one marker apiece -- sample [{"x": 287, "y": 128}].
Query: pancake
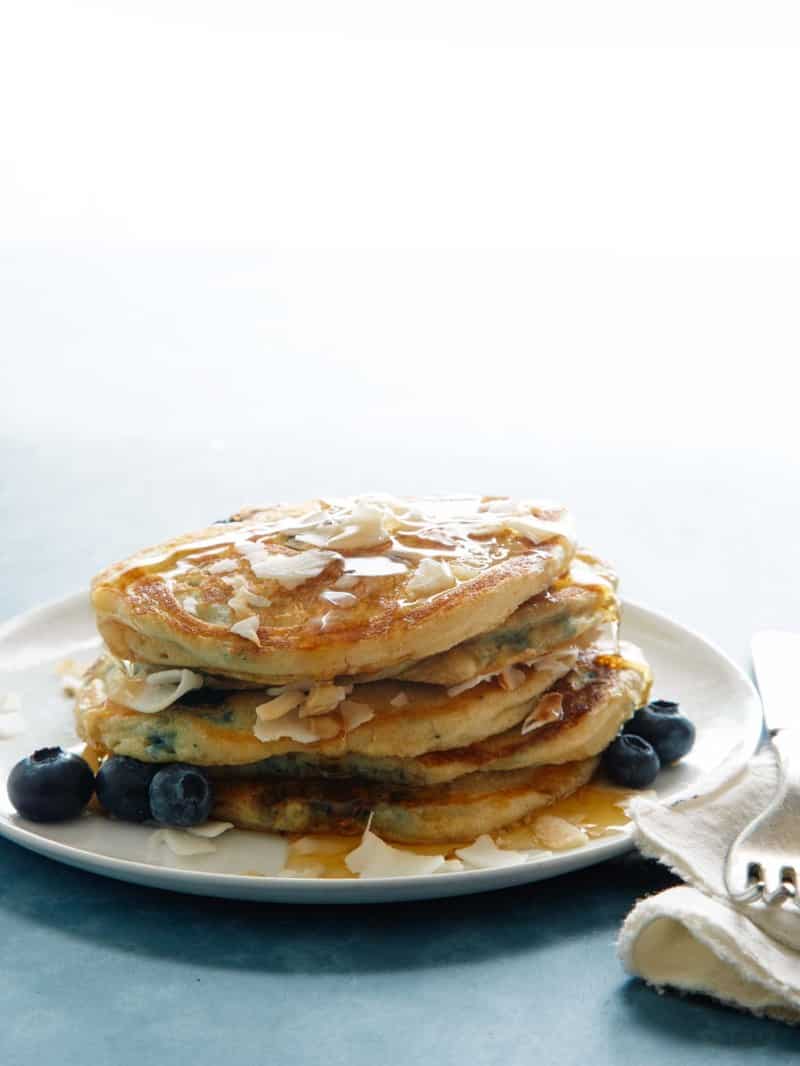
[
  {"x": 593, "y": 701},
  {"x": 216, "y": 726},
  {"x": 349, "y": 587},
  {"x": 458, "y": 811},
  {"x": 560, "y": 614}
]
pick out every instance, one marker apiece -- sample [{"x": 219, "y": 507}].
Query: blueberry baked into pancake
[{"x": 425, "y": 669}]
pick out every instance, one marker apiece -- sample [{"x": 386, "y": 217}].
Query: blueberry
[
  {"x": 51, "y": 785},
  {"x": 631, "y": 762},
  {"x": 663, "y": 726},
  {"x": 123, "y": 787},
  {"x": 180, "y": 795}
]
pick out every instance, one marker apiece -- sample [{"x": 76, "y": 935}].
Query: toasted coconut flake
[
  {"x": 432, "y": 576},
  {"x": 224, "y": 566},
  {"x": 244, "y": 598},
  {"x": 549, "y": 708},
  {"x": 556, "y": 660},
  {"x": 346, "y": 582},
  {"x": 580, "y": 573},
  {"x": 456, "y": 690},
  {"x": 339, "y": 599},
  {"x": 247, "y": 628},
  {"x": 181, "y": 843},
  {"x": 517, "y": 517},
  {"x": 281, "y": 705},
  {"x": 375, "y": 858},
  {"x": 400, "y": 700},
  {"x": 558, "y": 834},
  {"x": 511, "y": 678},
  {"x": 464, "y": 572},
  {"x": 354, "y": 714},
  {"x": 288, "y": 726},
  {"x": 324, "y": 726},
  {"x": 153, "y": 692},
  {"x": 484, "y": 854},
  {"x": 324, "y": 698},
  {"x": 290, "y": 571},
  {"x": 359, "y": 526}
]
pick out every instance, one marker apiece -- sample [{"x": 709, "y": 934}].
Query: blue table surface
[{"x": 93, "y": 970}]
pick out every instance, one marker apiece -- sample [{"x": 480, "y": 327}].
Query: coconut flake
[
  {"x": 518, "y": 517},
  {"x": 375, "y": 858},
  {"x": 248, "y": 628},
  {"x": 291, "y": 571},
  {"x": 357, "y": 526},
  {"x": 511, "y": 678},
  {"x": 548, "y": 709},
  {"x": 189, "y": 604},
  {"x": 224, "y": 566},
  {"x": 325, "y": 726},
  {"x": 288, "y": 727},
  {"x": 346, "y": 581},
  {"x": 556, "y": 660},
  {"x": 12, "y": 724},
  {"x": 431, "y": 576},
  {"x": 182, "y": 843},
  {"x": 281, "y": 705},
  {"x": 244, "y": 597},
  {"x": 210, "y": 829},
  {"x": 558, "y": 834},
  {"x": 354, "y": 714},
  {"x": 324, "y": 698},
  {"x": 255, "y": 600},
  {"x": 339, "y": 599},
  {"x": 153, "y": 692},
  {"x": 400, "y": 700},
  {"x": 484, "y": 854},
  {"x": 580, "y": 573},
  {"x": 456, "y": 690}
]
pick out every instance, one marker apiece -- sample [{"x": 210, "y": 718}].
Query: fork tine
[
  {"x": 755, "y": 885},
  {"x": 789, "y": 879},
  {"x": 786, "y": 887},
  {"x": 776, "y": 896}
]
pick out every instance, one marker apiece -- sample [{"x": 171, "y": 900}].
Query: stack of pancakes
[{"x": 443, "y": 666}]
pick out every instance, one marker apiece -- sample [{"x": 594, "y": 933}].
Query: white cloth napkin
[{"x": 691, "y": 937}]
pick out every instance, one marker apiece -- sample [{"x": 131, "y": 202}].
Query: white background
[{"x": 504, "y": 222}]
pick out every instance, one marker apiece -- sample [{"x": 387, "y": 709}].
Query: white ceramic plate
[{"x": 712, "y": 690}]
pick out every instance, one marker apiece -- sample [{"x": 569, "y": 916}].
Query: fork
[{"x": 760, "y": 863}]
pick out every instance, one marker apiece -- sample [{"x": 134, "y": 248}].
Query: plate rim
[{"x": 346, "y": 890}]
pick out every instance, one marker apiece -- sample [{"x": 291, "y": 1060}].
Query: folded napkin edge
[{"x": 683, "y": 931}]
